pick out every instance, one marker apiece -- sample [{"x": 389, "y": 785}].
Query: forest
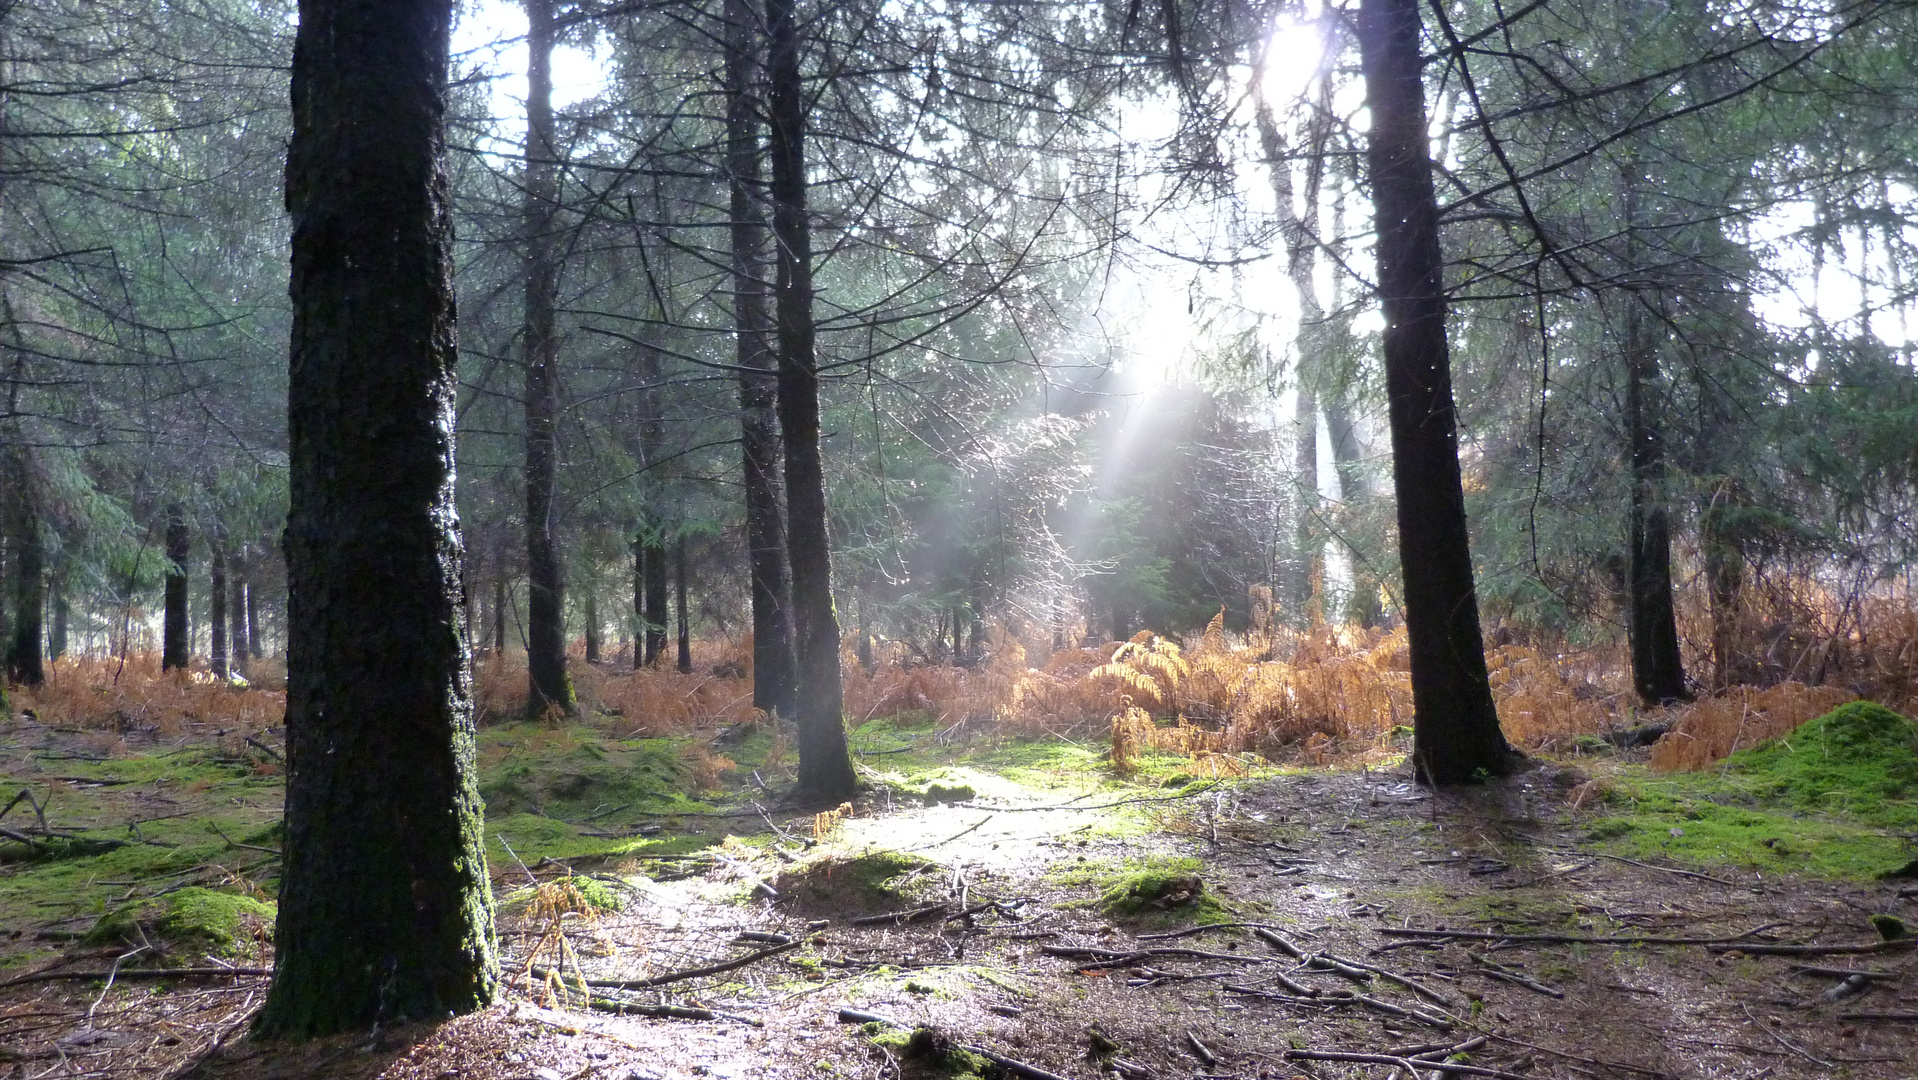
[{"x": 1226, "y": 538}]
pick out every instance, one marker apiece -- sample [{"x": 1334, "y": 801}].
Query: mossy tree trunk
[
  {"x": 825, "y": 763},
  {"x": 1456, "y": 734},
  {"x": 385, "y": 909}
]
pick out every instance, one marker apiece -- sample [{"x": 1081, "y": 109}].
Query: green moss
[
  {"x": 1833, "y": 799},
  {"x": 875, "y": 880},
  {"x": 929, "y": 1053},
  {"x": 1154, "y": 887},
  {"x": 195, "y": 918},
  {"x": 577, "y": 772}
]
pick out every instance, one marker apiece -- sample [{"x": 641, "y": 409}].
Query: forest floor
[{"x": 1013, "y": 897}]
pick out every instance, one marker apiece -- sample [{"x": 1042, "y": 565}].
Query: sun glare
[
  {"x": 490, "y": 39},
  {"x": 1294, "y": 57}
]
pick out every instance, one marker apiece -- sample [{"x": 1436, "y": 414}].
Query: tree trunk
[
  {"x": 500, "y": 601},
  {"x": 237, "y": 576},
  {"x": 62, "y": 619},
  {"x": 639, "y": 602},
  {"x": 685, "y": 664},
  {"x": 591, "y": 613},
  {"x": 758, "y": 384},
  {"x": 1658, "y": 672},
  {"x": 175, "y": 649},
  {"x": 547, "y": 684},
  {"x": 657, "y": 615},
  {"x": 254, "y": 649},
  {"x": 825, "y": 764},
  {"x": 26, "y": 567},
  {"x": 1456, "y": 733},
  {"x": 385, "y": 908},
  {"x": 216, "y": 604}
]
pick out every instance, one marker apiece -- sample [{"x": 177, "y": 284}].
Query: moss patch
[
  {"x": 871, "y": 882},
  {"x": 1835, "y": 798},
  {"x": 1162, "y": 887},
  {"x": 203, "y": 920},
  {"x": 577, "y": 773}
]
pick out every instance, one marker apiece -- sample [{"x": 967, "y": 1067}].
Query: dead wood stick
[
  {"x": 137, "y": 973},
  {"x": 230, "y": 842},
  {"x": 1576, "y": 939},
  {"x": 1845, "y": 973},
  {"x": 1436, "y": 997},
  {"x": 668, "y": 1012},
  {"x": 1191, "y": 930},
  {"x": 23, "y": 838},
  {"x": 1407, "y": 1064},
  {"x": 1906, "y": 1016},
  {"x": 1200, "y": 1050},
  {"x": 1403, "y": 1013},
  {"x": 896, "y": 917},
  {"x": 1894, "y": 945},
  {"x": 1107, "y": 957},
  {"x": 264, "y": 748},
  {"x": 1646, "y": 865},
  {"x": 680, "y": 976},
  {"x": 1500, "y": 971}
]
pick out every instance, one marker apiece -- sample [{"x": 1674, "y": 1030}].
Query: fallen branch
[
  {"x": 897, "y": 917},
  {"x": 1113, "y": 957},
  {"x": 1646, "y": 865},
  {"x": 667, "y": 1012},
  {"x": 1576, "y": 939},
  {"x": 1500, "y": 971},
  {"x": 1894, "y": 945},
  {"x": 680, "y": 976},
  {"x": 1408, "y": 1064},
  {"x": 138, "y": 973}
]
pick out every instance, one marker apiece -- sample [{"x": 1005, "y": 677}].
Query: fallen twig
[
  {"x": 137, "y": 973},
  {"x": 1894, "y": 945},
  {"x": 897, "y": 917},
  {"x": 678, "y": 976},
  {"x": 1646, "y": 865},
  {"x": 1408, "y": 1064},
  {"x": 1576, "y": 939},
  {"x": 1500, "y": 971},
  {"x": 667, "y": 1012}
]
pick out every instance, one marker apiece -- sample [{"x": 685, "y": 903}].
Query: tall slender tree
[
  {"x": 175, "y": 639},
  {"x": 1456, "y": 733},
  {"x": 385, "y": 908},
  {"x": 547, "y": 684},
  {"x": 825, "y": 762},
  {"x": 758, "y": 380}
]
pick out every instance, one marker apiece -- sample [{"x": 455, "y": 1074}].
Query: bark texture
[
  {"x": 685, "y": 658},
  {"x": 547, "y": 684},
  {"x": 385, "y": 909},
  {"x": 825, "y": 764},
  {"x": 1651, "y": 623},
  {"x": 175, "y": 647},
  {"x": 773, "y": 686},
  {"x": 216, "y": 605},
  {"x": 1456, "y": 733},
  {"x": 26, "y": 570}
]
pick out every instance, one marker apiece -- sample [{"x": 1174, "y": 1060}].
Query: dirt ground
[{"x": 1373, "y": 919}]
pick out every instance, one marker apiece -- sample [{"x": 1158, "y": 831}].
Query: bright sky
[{"x": 491, "y": 36}]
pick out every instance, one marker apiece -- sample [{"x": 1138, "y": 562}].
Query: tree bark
[
  {"x": 26, "y": 569},
  {"x": 238, "y": 572},
  {"x": 825, "y": 764},
  {"x": 385, "y": 909},
  {"x": 175, "y": 648},
  {"x": 254, "y": 649},
  {"x": 685, "y": 657},
  {"x": 1456, "y": 734},
  {"x": 773, "y": 685},
  {"x": 216, "y": 604},
  {"x": 547, "y": 684},
  {"x": 658, "y": 617},
  {"x": 590, "y": 610},
  {"x": 1651, "y": 623}
]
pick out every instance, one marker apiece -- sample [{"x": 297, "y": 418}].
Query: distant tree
[
  {"x": 385, "y": 906},
  {"x": 175, "y": 639},
  {"x": 1456, "y": 734}
]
